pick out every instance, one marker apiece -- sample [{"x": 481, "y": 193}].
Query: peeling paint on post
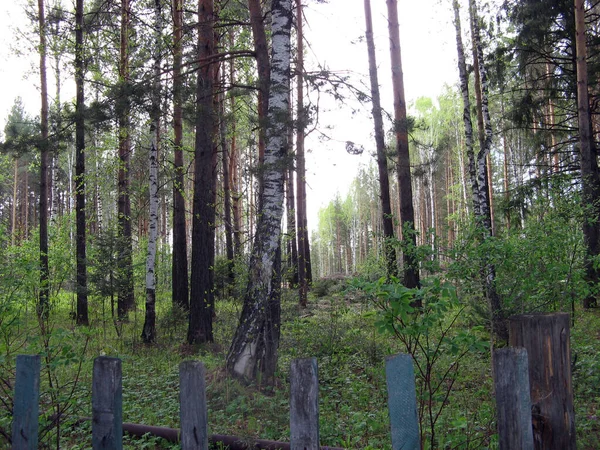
[
  {"x": 402, "y": 402},
  {"x": 304, "y": 405},
  {"x": 192, "y": 404},
  {"x": 26, "y": 401},
  {"x": 107, "y": 404},
  {"x": 513, "y": 403}
]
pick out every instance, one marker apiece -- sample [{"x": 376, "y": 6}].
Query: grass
[{"x": 337, "y": 329}]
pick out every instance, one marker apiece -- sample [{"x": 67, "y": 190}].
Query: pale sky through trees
[{"x": 334, "y": 33}]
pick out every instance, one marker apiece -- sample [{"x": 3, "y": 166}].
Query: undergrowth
[{"x": 338, "y": 328}]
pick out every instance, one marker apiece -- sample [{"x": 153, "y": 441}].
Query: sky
[{"x": 335, "y": 35}]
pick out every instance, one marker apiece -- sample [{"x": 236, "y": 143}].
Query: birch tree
[
  {"x": 149, "y": 330},
  {"x": 254, "y": 347}
]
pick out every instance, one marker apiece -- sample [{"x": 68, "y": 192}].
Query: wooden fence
[{"x": 532, "y": 382}]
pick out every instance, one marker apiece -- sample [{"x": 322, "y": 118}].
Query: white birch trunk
[{"x": 254, "y": 346}]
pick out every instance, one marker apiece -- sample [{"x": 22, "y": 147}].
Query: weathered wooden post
[
  {"x": 546, "y": 338},
  {"x": 192, "y": 406},
  {"x": 304, "y": 405},
  {"x": 513, "y": 402},
  {"x": 26, "y": 403},
  {"x": 402, "y": 402},
  {"x": 107, "y": 404}
]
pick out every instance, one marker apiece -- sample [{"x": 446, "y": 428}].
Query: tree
[
  {"x": 44, "y": 295},
  {"x": 149, "y": 330},
  {"x": 302, "y": 116},
  {"x": 468, "y": 124},
  {"x": 499, "y": 327},
  {"x": 254, "y": 347},
  {"x": 179, "y": 274},
  {"x": 590, "y": 175},
  {"x": 82, "y": 299},
  {"x": 407, "y": 215},
  {"x": 203, "y": 218},
  {"x": 126, "y": 299},
  {"x": 384, "y": 182}
]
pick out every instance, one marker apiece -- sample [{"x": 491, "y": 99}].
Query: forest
[{"x": 159, "y": 214}]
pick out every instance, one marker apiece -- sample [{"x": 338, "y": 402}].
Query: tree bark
[
  {"x": 407, "y": 214},
  {"x": 203, "y": 219},
  {"x": 499, "y": 327},
  {"x": 44, "y": 295},
  {"x": 82, "y": 299},
  {"x": 303, "y": 241},
  {"x": 179, "y": 273},
  {"x": 254, "y": 347},
  {"x": 226, "y": 183},
  {"x": 125, "y": 299},
  {"x": 262, "y": 62},
  {"x": 590, "y": 176},
  {"x": 149, "y": 330},
  {"x": 384, "y": 182}
]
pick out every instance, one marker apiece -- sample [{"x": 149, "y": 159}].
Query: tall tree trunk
[
  {"x": 125, "y": 298},
  {"x": 407, "y": 214},
  {"x": 179, "y": 273},
  {"x": 384, "y": 182},
  {"x": 464, "y": 87},
  {"x": 291, "y": 224},
  {"x": 149, "y": 330},
  {"x": 254, "y": 346},
  {"x": 226, "y": 182},
  {"x": 588, "y": 160},
  {"x": 44, "y": 295},
  {"x": 499, "y": 326},
  {"x": 13, "y": 228},
  {"x": 303, "y": 241},
  {"x": 82, "y": 299},
  {"x": 234, "y": 171},
  {"x": 262, "y": 62},
  {"x": 203, "y": 219}
]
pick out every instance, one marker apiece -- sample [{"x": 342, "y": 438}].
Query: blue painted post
[
  {"x": 192, "y": 406},
  {"x": 107, "y": 404},
  {"x": 304, "y": 405},
  {"x": 26, "y": 403},
  {"x": 402, "y": 402}
]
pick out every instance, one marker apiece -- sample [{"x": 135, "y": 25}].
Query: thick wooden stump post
[
  {"x": 192, "y": 406},
  {"x": 304, "y": 405},
  {"x": 513, "y": 402},
  {"x": 26, "y": 403},
  {"x": 402, "y": 402},
  {"x": 546, "y": 338},
  {"x": 107, "y": 404}
]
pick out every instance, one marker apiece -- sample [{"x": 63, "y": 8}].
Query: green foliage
[
  {"x": 539, "y": 265},
  {"x": 431, "y": 335}
]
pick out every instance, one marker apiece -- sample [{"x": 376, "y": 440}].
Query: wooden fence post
[
  {"x": 546, "y": 338},
  {"x": 192, "y": 406},
  {"x": 26, "y": 403},
  {"x": 304, "y": 405},
  {"x": 107, "y": 404},
  {"x": 402, "y": 402},
  {"x": 513, "y": 402}
]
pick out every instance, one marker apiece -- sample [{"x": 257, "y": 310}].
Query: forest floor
[{"x": 337, "y": 328}]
